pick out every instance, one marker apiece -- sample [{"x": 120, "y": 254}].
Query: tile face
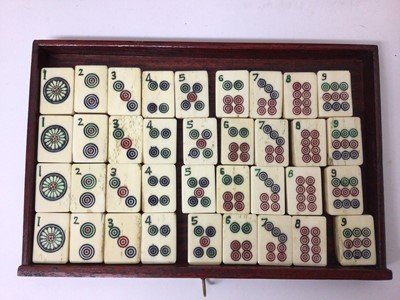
[
  {"x": 159, "y": 141},
  {"x": 271, "y": 138},
  {"x": 309, "y": 241},
  {"x": 51, "y": 238},
  {"x": 304, "y": 191},
  {"x": 233, "y": 189},
  {"x": 334, "y": 94},
  {"x": 266, "y": 94},
  {"x": 159, "y": 188},
  {"x": 355, "y": 240},
  {"x": 308, "y": 142},
  {"x": 239, "y": 239},
  {"x": 55, "y": 139},
  {"x": 198, "y": 189},
  {"x": 191, "y": 94},
  {"x": 57, "y": 91},
  {"x": 200, "y": 141},
  {"x": 122, "y": 238},
  {"x": 53, "y": 187},
  {"x": 158, "y": 97},
  {"x": 86, "y": 242},
  {"x": 267, "y": 190},
  {"x": 204, "y": 239},
  {"x": 237, "y": 141},
  {"x": 124, "y": 91},
  {"x": 232, "y": 93},
  {"x": 123, "y": 192},
  {"x": 158, "y": 238},
  {"x": 343, "y": 190},
  {"x": 300, "y": 95},
  {"x": 125, "y": 141},
  {"x": 88, "y": 188},
  {"x": 90, "y": 138},
  {"x": 344, "y": 141},
  {"x": 275, "y": 242},
  {"x": 91, "y": 89}
]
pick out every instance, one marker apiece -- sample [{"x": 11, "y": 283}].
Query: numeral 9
[
  {"x": 344, "y": 221},
  {"x": 333, "y": 173},
  {"x": 335, "y": 123},
  {"x": 324, "y": 76}
]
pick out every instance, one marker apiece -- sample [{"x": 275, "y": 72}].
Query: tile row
[
  {"x": 93, "y": 188},
  {"x": 183, "y": 94},
  {"x": 131, "y": 238},
  {"x": 91, "y": 138}
]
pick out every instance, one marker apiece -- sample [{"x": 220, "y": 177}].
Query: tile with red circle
[
  {"x": 271, "y": 139},
  {"x": 204, "y": 239},
  {"x": 334, "y": 94},
  {"x": 239, "y": 239},
  {"x": 267, "y": 190},
  {"x": 308, "y": 142},
  {"x": 125, "y": 91},
  {"x": 309, "y": 241},
  {"x": 123, "y": 193},
  {"x": 355, "y": 240},
  {"x": 237, "y": 141},
  {"x": 304, "y": 190},
  {"x": 300, "y": 95},
  {"x": 275, "y": 242},
  {"x": 266, "y": 94},
  {"x": 232, "y": 93}
]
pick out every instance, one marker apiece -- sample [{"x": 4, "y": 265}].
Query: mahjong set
[{"x": 150, "y": 159}]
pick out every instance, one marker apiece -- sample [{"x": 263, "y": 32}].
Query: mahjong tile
[
  {"x": 344, "y": 141},
  {"x": 334, "y": 94},
  {"x": 125, "y": 139},
  {"x": 51, "y": 238},
  {"x": 200, "y": 141},
  {"x": 271, "y": 140},
  {"x": 53, "y": 187},
  {"x": 158, "y": 188},
  {"x": 55, "y": 139},
  {"x": 86, "y": 238},
  {"x": 91, "y": 89},
  {"x": 90, "y": 138},
  {"x": 233, "y": 189},
  {"x": 158, "y": 97},
  {"x": 88, "y": 188},
  {"x": 300, "y": 95},
  {"x": 159, "y": 141},
  {"x": 204, "y": 239},
  {"x": 266, "y": 94},
  {"x": 239, "y": 239},
  {"x": 355, "y": 240},
  {"x": 308, "y": 142},
  {"x": 123, "y": 192},
  {"x": 159, "y": 238},
  {"x": 124, "y": 91},
  {"x": 232, "y": 93},
  {"x": 198, "y": 189},
  {"x": 122, "y": 238},
  {"x": 304, "y": 190},
  {"x": 309, "y": 241},
  {"x": 275, "y": 243},
  {"x": 191, "y": 94},
  {"x": 267, "y": 190},
  {"x": 343, "y": 190},
  {"x": 57, "y": 91},
  {"x": 237, "y": 141}
]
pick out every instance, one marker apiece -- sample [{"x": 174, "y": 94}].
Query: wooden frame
[{"x": 360, "y": 60}]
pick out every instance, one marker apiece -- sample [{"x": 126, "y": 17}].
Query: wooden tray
[{"x": 361, "y": 60}]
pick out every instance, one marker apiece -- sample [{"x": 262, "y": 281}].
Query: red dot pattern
[
  {"x": 310, "y": 146},
  {"x": 310, "y": 244},
  {"x": 301, "y": 98},
  {"x": 233, "y": 104},
  {"x": 266, "y": 107},
  {"x": 241, "y": 250},
  {"x": 269, "y": 202},
  {"x": 274, "y": 154},
  {"x": 239, "y": 151},
  {"x": 305, "y": 190},
  {"x": 233, "y": 200}
]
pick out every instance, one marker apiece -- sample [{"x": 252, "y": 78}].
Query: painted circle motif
[
  {"x": 54, "y": 138},
  {"x": 164, "y": 85},
  {"x": 246, "y": 228},
  {"x": 114, "y": 182},
  {"x": 53, "y": 187},
  {"x": 122, "y": 241},
  {"x": 165, "y": 230},
  {"x": 199, "y": 105},
  {"x": 205, "y": 201},
  {"x": 235, "y": 227},
  {"x": 153, "y": 250},
  {"x": 130, "y": 252},
  {"x": 88, "y": 230},
  {"x": 86, "y": 252},
  {"x": 185, "y": 88},
  {"x": 130, "y": 201},
  {"x": 91, "y": 130},
  {"x": 91, "y": 101},
  {"x": 90, "y": 150},
  {"x": 211, "y": 252},
  {"x": 198, "y": 252},
  {"x": 87, "y": 200},
  {"x": 163, "y": 107},
  {"x": 51, "y": 238},
  {"x": 132, "y": 153},
  {"x": 92, "y": 80},
  {"x": 118, "y": 86},
  {"x": 88, "y": 181},
  {"x": 114, "y": 232},
  {"x": 118, "y": 133},
  {"x": 152, "y": 230},
  {"x": 132, "y": 105},
  {"x": 56, "y": 90},
  {"x": 164, "y": 200}
]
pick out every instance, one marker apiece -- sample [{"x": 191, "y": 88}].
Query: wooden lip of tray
[{"x": 361, "y": 60}]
